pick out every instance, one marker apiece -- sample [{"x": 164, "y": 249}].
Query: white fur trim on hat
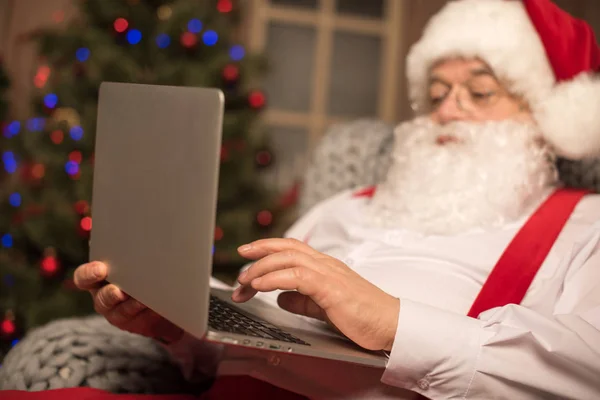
[
  {"x": 500, "y": 33},
  {"x": 570, "y": 117}
]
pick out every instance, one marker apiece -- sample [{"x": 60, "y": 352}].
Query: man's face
[{"x": 468, "y": 90}]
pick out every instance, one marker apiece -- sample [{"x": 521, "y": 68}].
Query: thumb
[{"x": 298, "y": 303}]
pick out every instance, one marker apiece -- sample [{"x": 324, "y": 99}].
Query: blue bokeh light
[
  {"x": 237, "y": 52},
  {"x": 15, "y": 199},
  {"x": 195, "y": 26},
  {"x": 10, "y": 164},
  {"x": 163, "y": 40},
  {"x": 210, "y": 38},
  {"x": 134, "y": 36},
  {"x": 82, "y": 54},
  {"x": 72, "y": 167},
  {"x": 7, "y": 240},
  {"x": 50, "y": 100},
  {"x": 76, "y": 132},
  {"x": 14, "y": 342},
  {"x": 36, "y": 124},
  {"x": 12, "y": 129}
]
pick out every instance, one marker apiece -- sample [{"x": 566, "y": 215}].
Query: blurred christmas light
[
  {"x": 237, "y": 52},
  {"x": 76, "y": 132},
  {"x": 82, "y": 207},
  {"x": 163, "y": 40},
  {"x": 36, "y": 124},
  {"x": 224, "y": 6},
  {"x": 82, "y": 54},
  {"x": 256, "y": 99},
  {"x": 264, "y": 218},
  {"x": 231, "y": 73},
  {"x": 49, "y": 266},
  {"x": 57, "y": 136},
  {"x": 7, "y": 240},
  {"x": 71, "y": 167},
  {"x": 263, "y": 158},
  {"x": 38, "y": 171},
  {"x": 12, "y": 129},
  {"x": 134, "y": 36},
  {"x": 15, "y": 199},
  {"x": 218, "y": 233},
  {"x": 10, "y": 164},
  {"x": 213, "y": 250},
  {"x": 120, "y": 25},
  {"x": 14, "y": 342},
  {"x": 50, "y": 100},
  {"x": 188, "y": 39},
  {"x": 210, "y": 38},
  {"x": 76, "y": 156},
  {"x": 41, "y": 76},
  {"x": 164, "y": 13},
  {"x": 194, "y": 25},
  {"x": 86, "y": 223},
  {"x": 58, "y": 16},
  {"x": 7, "y": 327}
]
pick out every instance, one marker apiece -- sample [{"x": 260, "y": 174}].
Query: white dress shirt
[{"x": 547, "y": 347}]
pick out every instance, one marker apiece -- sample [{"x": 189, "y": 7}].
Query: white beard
[{"x": 494, "y": 175}]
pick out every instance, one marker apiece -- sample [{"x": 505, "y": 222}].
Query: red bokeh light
[{"x": 120, "y": 25}]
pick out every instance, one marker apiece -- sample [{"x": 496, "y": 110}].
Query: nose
[{"x": 449, "y": 110}]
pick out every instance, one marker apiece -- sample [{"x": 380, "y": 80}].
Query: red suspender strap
[{"x": 509, "y": 280}]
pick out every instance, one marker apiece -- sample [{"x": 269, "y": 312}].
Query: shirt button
[
  {"x": 274, "y": 360},
  {"x": 423, "y": 384}
]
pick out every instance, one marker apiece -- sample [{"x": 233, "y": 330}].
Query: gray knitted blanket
[{"x": 90, "y": 352}]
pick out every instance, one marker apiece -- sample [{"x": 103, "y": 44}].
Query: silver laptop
[{"x": 156, "y": 174}]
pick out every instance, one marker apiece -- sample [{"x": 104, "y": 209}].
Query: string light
[
  {"x": 72, "y": 167},
  {"x": 38, "y": 171},
  {"x": 256, "y": 99},
  {"x": 36, "y": 124},
  {"x": 164, "y": 12},
  {"x": 86, "y": 223},
  {"x": 188, "y": 39},
  {"x": 218, "y": 233},
  {"x": 12, "y": 129},
  {"x": 194, "y": 25},
  {"x": 82, "y": 54},
  {"x": 82, "y": 207},
  {"x": 163, "y": 40},
  {"x": 8, "y": 327},
  {"x": 14, "y": 342},
  {"x": 224, "y": 6},
  {"x": 76, "y": 156},
  {"x": 134, "y": 36},
  {"x": 263, "y": 158},
  {"x": 57, "y": 136},
  {"x": 76, "y": 132},
  {"x": 49, "y": 266},
  {"x": 264, "y": 218},
  {"x": 41, "y": 76},
  {"x": 120, "y": 25},
  {"x": 210, "y": 38},
  {"x": 10, "y": 164},
  {"x": 231, "y": 72},
  {"x": 237, "y": 52},
  {"x": 15, "y": 199},
  {"x": 50, "y": 100},
  {"x": 7, "y": 240}
]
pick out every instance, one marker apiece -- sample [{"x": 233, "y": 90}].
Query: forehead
[{"x": 458, "y": 69}]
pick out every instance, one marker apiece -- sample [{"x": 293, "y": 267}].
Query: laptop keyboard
[{"x": 223, "y": 317}]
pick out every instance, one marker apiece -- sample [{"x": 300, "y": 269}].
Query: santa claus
[{"x": 470, "y": 264}]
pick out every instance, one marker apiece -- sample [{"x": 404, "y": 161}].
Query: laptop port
[
  {"x": 274, "y": 346},
  {"x": 246, "y": 341},
  {"x": 259, "y": 344}
]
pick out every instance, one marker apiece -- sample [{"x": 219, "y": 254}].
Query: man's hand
[
  {"x": 121, "y": 310},
  {"x": 320, "y": 287}
]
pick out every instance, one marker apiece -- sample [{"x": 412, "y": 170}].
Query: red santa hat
[{"x": 545, "y": 55}]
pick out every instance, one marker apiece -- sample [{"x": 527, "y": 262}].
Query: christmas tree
[{"x": 45, "y": 216}]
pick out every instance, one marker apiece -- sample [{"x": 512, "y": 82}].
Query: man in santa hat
[{"x": 470, "y": 264}]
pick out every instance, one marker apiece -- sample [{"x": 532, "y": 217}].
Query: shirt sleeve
[{"x": 511, "y": 351}]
